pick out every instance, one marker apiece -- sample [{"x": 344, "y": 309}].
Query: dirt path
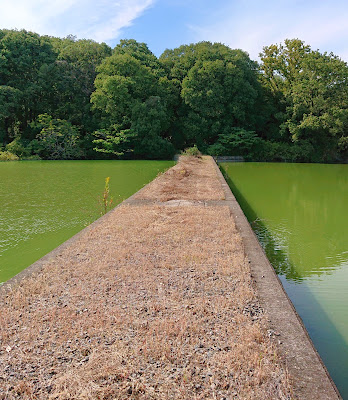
[{"x": 155, "y": 302}]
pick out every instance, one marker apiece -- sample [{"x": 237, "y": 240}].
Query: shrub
[
  {"x": 286, "y": 152},
  {"x": 236, "y": 142},
  {"x": 155, "y": 148},
  {"x": 7, "y": 156},
  {"x": 19, "y": 148},
  {"x": 34, "y": 157},
  {"x": 192, "y": 151}
]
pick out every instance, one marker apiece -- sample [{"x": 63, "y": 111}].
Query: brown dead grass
[
  {"x": 192, "y": 178},
  {"x": 156, "y": 302}
]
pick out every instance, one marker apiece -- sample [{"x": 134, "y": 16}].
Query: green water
[
  {"x": 299, "y": 213},
  {"x": 43, "y": 203}
]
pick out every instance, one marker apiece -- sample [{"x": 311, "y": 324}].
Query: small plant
[
  {"x": 192, "y": 151},
  {"x": 106, "y": 199}
]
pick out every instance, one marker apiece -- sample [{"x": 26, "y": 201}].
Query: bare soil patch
[{"x": 156, "y": 302}]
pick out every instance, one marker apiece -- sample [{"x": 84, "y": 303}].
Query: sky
[{"x": 246, "y": 24}]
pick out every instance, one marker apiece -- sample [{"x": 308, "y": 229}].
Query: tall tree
[
  {"x": 313, "y": 88},
  {"x": 22, "y": 55},
  {"x": 10, "y": 111},
  {"x": 124, "y": 89},
  {"x": 219, "y": 90},
  {"x": 41, "y": 74},
  {"x": 141, "y": 52},
  {"x": 71, "y": 78}
]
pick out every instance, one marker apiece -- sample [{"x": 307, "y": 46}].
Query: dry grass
[
  {"x": 191, "y": 179},
  {"x": 156, "y": 302}
]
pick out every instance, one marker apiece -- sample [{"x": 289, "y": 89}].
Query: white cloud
[
  {"x": 123, "y": 17},
  {"x": 32, "y": 15},
  {"x": 100, "y": 20},
  {"x": 255, "y": 24}
]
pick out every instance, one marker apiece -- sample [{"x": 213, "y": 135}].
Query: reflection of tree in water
[
  {"x": 316, "y": 312},
  {"x": 277, "y": 256}
]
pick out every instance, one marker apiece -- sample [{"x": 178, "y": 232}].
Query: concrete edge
[
  {"x": 310, "y": 378},
  {"x": 38, "y": 265}
]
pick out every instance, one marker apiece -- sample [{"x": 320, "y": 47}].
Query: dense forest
[{"x": 78, "y": 99}]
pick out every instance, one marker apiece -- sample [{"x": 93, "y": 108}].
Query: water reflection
[
  {"x": 299, "y": 208},
  {"x": 298, "y": 212}
]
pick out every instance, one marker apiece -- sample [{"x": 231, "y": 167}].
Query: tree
[
  {"x": 57, "y": 139},
  {"x": 41, "y": 74},
  {"x": 179, "y": 61},
  {"x": 219, "y": 89},
  {"x": 22, "y": 54},
  {"x": 150, "y": 120},
  {"x": 281, "y": 64},
  {"x": 141, "y": 52},
  {"x": 10, "y": 110},
  {"x": 238, "y": 142},
  {"x": 122, "y": 81},
  {"x": 72, "y": 77},
  {"x": 132, "y": 100},
  {"x": 314, "y": 90}
]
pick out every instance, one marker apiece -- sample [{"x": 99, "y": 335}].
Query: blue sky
[{"x": 245, "y": 24}]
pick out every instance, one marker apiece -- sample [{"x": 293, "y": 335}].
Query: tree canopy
[
  {"x": 69, "y": 98},
  {"x": 313, "y": 89}
]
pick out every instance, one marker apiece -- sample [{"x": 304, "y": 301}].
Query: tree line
[{"x": 78, "y": 99}]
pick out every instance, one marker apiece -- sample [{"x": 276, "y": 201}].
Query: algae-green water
[
  {"x": 299, "y": 213},
  {"x": 43, "y": 203}
]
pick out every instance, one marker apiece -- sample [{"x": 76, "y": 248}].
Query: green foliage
[
  {"x": 179, "y": 61},
  {"x": 237, "y": 142},
  {"x": 143, "y": 138},
  {"x": 57, "y": 139},
  {"x": 312, "y": 89},
  {"x": 132, "y": 100},
  {"x": 69, "y": 98},
  {"x": 19, "y": 147},
  {"x": 76, "y": 65},
  {"x": 33, "y": 157},
  {"x": 7, "y": 156},
  {"x": 22, "y": 55},
  {"x": 10, "y": 109},
  {"x": 84, "y": 54},
  {"x": 114, "y": 141},
  {"x": 122, "y": 82},
  {"x": 192, "y": 151},
  {"x": 40, "y": 74},
  {"x": 149, "y": 122},
  {"x": 141, "y": 52},
  {"x": 286, "y": 152},
  {"x": 219, "y": 90}
]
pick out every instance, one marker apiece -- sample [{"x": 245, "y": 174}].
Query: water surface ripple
[{"x": 43, "y": 203}]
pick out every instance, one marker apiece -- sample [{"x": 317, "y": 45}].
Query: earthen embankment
[{"x": 156, "y": 300}]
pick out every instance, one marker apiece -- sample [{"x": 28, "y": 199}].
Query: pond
[
  {"x": 44, "y": 203},
  {"x": 299, "y": 213}
]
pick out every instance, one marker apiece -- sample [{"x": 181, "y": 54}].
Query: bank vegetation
[{"x": 68, "y": 98}]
